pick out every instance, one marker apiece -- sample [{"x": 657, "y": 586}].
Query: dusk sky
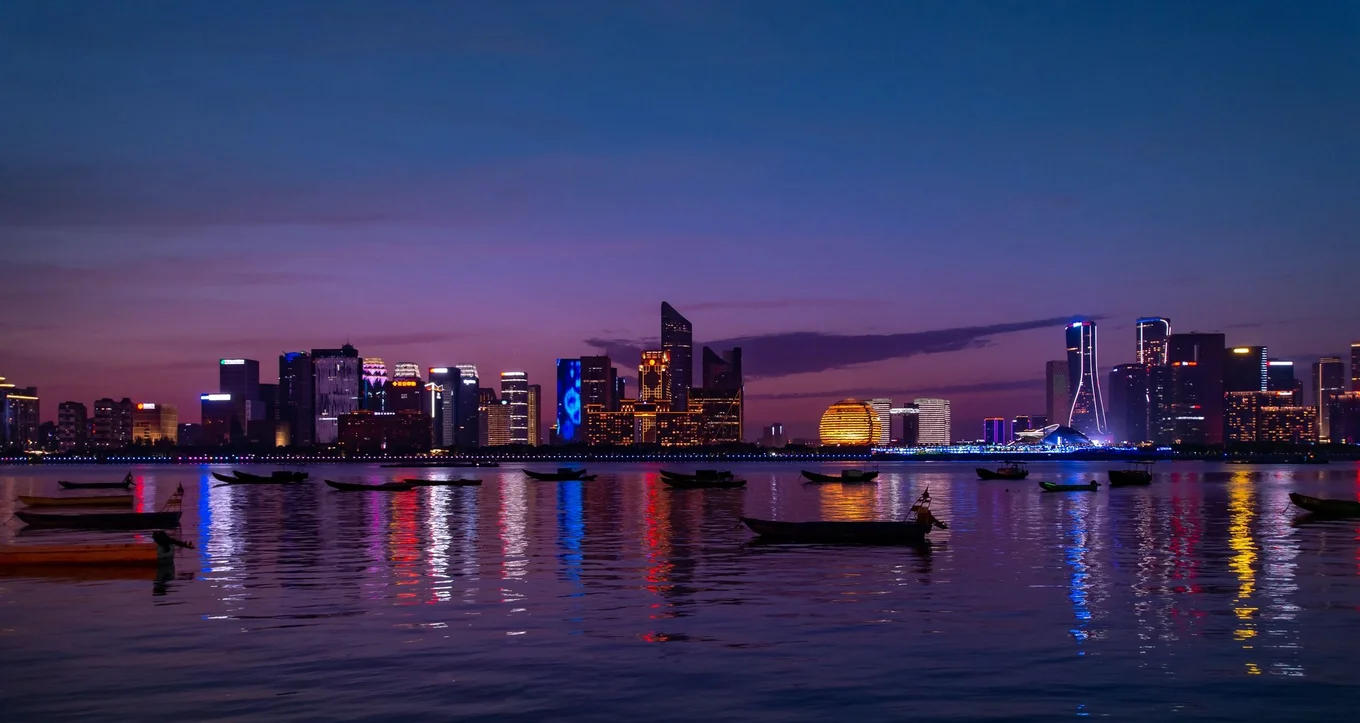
[{"x": 504, "y": 183}]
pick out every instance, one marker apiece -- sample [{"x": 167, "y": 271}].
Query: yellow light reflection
[{"x": 1240, "y": 514}]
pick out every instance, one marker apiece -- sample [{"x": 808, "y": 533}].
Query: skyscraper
[
  {"x": 405, "y": 394},
  {"x": 1129, "y": 403},
  {"x": 1152, "y": 335},
  {"x": 1057, "y": 393},
  {"x": 1355, "y": 367},
  {"x": 19, "y": 415},
  {"x": 722, "y": 371},
  {"x": 241, "y": 379},
  {"x": 442, "y": 396},
  {"x": 1087, "y": 413},
  {"x": 910, "y": 415},
  {"x": 297, "y": 397},
  {"x": 994, "y": 431},
  {"x": 467, "y": 407},
  {"x": 72, "y": 426},
  {"x": 572, "y": 417},
  {"x": 1245, "y": 369},
  {"x": 1329, "y": 382},
  {"x": 337, "y": 375},
  {"x": 1196, "y": 408},
  {"x": 535, "y": 414},
  {"x": 620, "y": 392},
  {"x": 406, "y": 370},
  {"x": 220, "y": 424},
  {"x": 883, "y": 408},
  {"x": 654, "y": 375},
  {"x": 934, "y": 424},
  {"x": 1280, "y": 378},
  {"x": 598, "y": 383},
  {"x": 375, "y": 385},
  {"x": 515, "y": 392},
  {"x": 486, "y": 399},
  {"x": 154, "y": 423},
  {"x": 677, "y": 342},
  {"x": 499, "y": 423}
]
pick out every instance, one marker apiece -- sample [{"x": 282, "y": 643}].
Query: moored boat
[
  {"x": 360, "y": 487},
  {"x": 682, "y": 483},
  {"x": 1092, "y": 486},
  {"x": 908, "y": 532},
  {"x": 1137, "y": 475},
  {"x": 442, "y": 482},
  {"x": 77, "y": 501},
  {"x": 563, "y": 474},
  {"x": 698, "y": 474},
  {"x": 125, "y": 484},
  {"x": 102, "y": 520},
  {"x": 1323, "y": 507},
  {"x": 281, "y": 476},
  {"x": 88, "y": 554},
  {"x": 1011, "y": 471},
  {"x": 846, "y": 475}
]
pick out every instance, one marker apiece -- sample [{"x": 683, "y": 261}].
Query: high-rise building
[
  {"x": 190, "y": 434},
  {"x": 515, "y": 392},
  {"x": 883, "y": 408},
  {"x": 1057, "y": 392},
  {"x": 442, "y": 396},
  {"x": 337, "y": 375},
  {"x": 73, "y": 426},
  {"x": 994, "y": 431},
  {"x": 1288, "y": 425},
  {"x": 1345, "y": 421},
  {"x": 269, "y": 402},
  {"x": 1152, "y": 335},
  {"x": 405, "y": 394},
  {"x": 910, "y": 426},
  {"x": 221, "y": 427},
  {"x": 241, "y": 379},
  {"x": 1329, "y": 381},
  {"x": 773, "y": 437},
  {"x": 406, "y": 370},
  {"x": 535, "y": 415},
  {"x": 718, "y": 415},
  {"x": 1088, "y": 405},
  {"x": 1129, "y": 403},
  {"x": 1196, "y": 408},
  {"x": 499, "y": 424},
  {"x": 677, "y": 343},
  {"x": 374, "y": 397},
  {"x": 467, "y": 408},
  {"x": 654, "y": 385},
  {"x": 722, "y": 371},
  {"x": 620, "y": 392},
  {"x": 849, "y": 422},
  {"x": 101, "y": 424},
  {"x": 297, "y": 397},
  {"x": 1266, "y": 417},
  {"x": 1355, "y": 367},
  {"x": 486, "y": 399},
  {"x": 934, "y": 422},
  {"x": 1245, "y": 369},
  {"x": 120, "y": 426},
  {"x": 153, "y": 423},
  {"x": 1280, "y": 378},
  {"x": 573, "y": 418},
  {"x": 1161, "y": 423},
  {"x": 19, "y": 416},
  {"x": 598, "y": 384}
]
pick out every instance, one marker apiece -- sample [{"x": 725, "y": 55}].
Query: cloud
[
  {"x": 1013, "y": 385},
  {"x": 806, "y": 352},
  {"x": 760, "y": 304}
]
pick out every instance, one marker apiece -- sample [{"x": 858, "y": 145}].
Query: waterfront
[{"x": 618, "y": 598}]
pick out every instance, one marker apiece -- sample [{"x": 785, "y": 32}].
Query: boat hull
[
  {"x": 357, "y": 487},
  {"x": 131, "y": 553},
  {"x": 852, "y": 533},
  {"x": 102, "y": 520},
  {"x": 994, "y": 474},
  {"x": 1050, "y": 487},
  {"x": 442, "y": 482},
  {"x": 1321, "y": 507},
  {"x": 558, "y": 476},
  {"x": 1129, "y": 477},
  {"x": 285, "y": 478},
  {"x": 95, "y": 485},
  {"x": 702, "y": 484},
  {"x": 79, "y": 501},
  {"x": 819, "y": 478}
]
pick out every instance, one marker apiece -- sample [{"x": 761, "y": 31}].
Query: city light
[{"x": 232, "y": 362}]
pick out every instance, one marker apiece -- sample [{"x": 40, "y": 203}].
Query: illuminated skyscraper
[
  {"x": 1152, "y": 335},
  {"x": 1280, "y": 378},
  {"x": 486, "y": 399},
  {"x": 1087, "y": 413},
  {"x": 1329, "y": 382},
  {"x": 500, "y": 424},
  {"x": 19, "y": 417},
  {"x": 535, "y": 414},
  {"x": 654, "y": 385},
  {"x": 722, "y": 371},
  {"x": 154, "y": 423},
  {"x": 467, "y": 408},
  {"x": 515, "y": 392},
  {"x": 406, "y": 394},
  {"x": 405, "y": 370},
  {"x": 337, "y": 376},
  {"x": 994, "y": 431},
  {"x": 442, "y": 396},
  {"x": 598, "y": 383},
  {"x": 910, "y": 426},
  {"x": 573, "y": 420},
  {"x": 620, "y": 392},
  {"x": 1196, "y": 407},
  {"x": 375, "y": 385},
  {"x": 73, "y": 426},
  {"x": 883, "y": 408},
  {"x": 1245, "y": 369},
  {"x": 297, "y": 397},
  {"x": 221, "y": 428},
  {"x": 1057, "y": 393},
  {"x": 1129, "y": 403},
  {"x": 934, "y": 423},
  {"x": 241, "y": 379},
  {"x": 677, "y": 341}
]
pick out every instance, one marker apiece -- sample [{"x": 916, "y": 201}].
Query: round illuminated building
[{"x": 850, "y": 423}]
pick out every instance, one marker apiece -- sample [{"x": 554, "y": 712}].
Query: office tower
[
  {"x": 654, "y": 385},
  {"x": 375, "y": 385},
  {"x": 1161, "y": 424},
  {"x": 994, "y": 431},
  {"x": 598, "y": 384},
  {"x": 883, "y": 408},
  {"x": 515, "y": 392},
  {"x": 297, "y": 397},
  {"x": 486, "y": 399},
  {"x": 153, "y": 423},
  {"x": 405, "y": 394},
  {"x": 1088, "y": 405},
  {"x": 677, "y": 342},
  {"x": 1152, "y": 335},
  {"x": 120, "y": 428},
  {"x": 499, "y": 421},
  {"x": 220, "y": 424},
  {"x": 1251, "y": 417},
  {"x": 1355, "y": 367},
  {"x": 934, "y": 426},
  {"x": 1196, "y": 407},
  {"x": 716, "y": 415},
  {"x": 722, "y": 371},
  {"x": 1329, "y": 375},
  {"x": 72, "y": 426},
  {"x": 772, "y": 437},
  {"x": 851, "y": 423},
  {"x": 190, "y": 434},
  {"x": 467, "y": 408},
  {"x": 1288, "y": 425},
  {"x": 19, "y": 418},
  {"x": 1280, "y": 378},
  {"x": 406, "y": 370},
  {"x": 910, "y": 415},
  {"x": 535, "y": 414},
  {"x": 572, "y": 417},
  {"x": 620, "y": 392},
  {"x": 101, "y": 424},
  {"x": 336, "y": 377},
  {"x": 442, "y": 396},
  {"x": 1129, "y": 403},
  {"x": 1345, "y": 421},
  {"x": 241, "y": 379},
  {"x": 1245, "y": 369},
  {"x": 1057, "y": 393}
]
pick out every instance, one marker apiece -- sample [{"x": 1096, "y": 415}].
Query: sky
[{"x": 946, "y": 183}]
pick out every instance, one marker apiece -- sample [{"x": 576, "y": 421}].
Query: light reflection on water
[{"x": 1195, "y": 596}]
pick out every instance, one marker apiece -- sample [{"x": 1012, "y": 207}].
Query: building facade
[
  {"x": 467, "y": 408},
  {"x": 374, "y": 396},
  {"x": 220, "y": 425},
  {"x": 155, "y": 423},
  {"x": 297, "y": 397},
  {"x": 1057, "y": 392},
  {"x": 241, "y": 379},
  {"x": 1087, "y": 413},
  {"x": 535, "y": 415},
  {"x": 1329, "y": 382},
  {"x": 1246, "y": 369},
  {"x": 933, "y": 421},
  {"x": 73, "y": 427},
  {"x": 515, "y": 392},
  {"x": 994, "y": 431},
  {"x": 849, "y": 423},
  {"x": 654, "y": 379},
  {"x": 1129, "y": 403},
  {"x": 337, "y": 377},
  {"x": 19, "y": 416},
  {"x": 1196, "y": 408},
  {"x": 677, "y": 343},
  {"x": 1152, "y": 334}
]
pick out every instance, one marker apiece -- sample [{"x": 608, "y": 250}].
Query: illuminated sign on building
[
  {"x": 232, "y": 362},
  {"x": 215, "y": 397},
  {"x": 569, "y": 428},
  {"x": 405, "y": 383},
  {"x": 146, "y": 405},
  {"x": 439, "y": 370}
]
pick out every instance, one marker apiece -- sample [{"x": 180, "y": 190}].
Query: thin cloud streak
[{"x": 1013, "y": 385}]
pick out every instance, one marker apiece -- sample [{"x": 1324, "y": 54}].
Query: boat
[
  {"x": 690, "y": 483},
  {"x": 423, "y": 465},
  {"x": 78, "y": 501},
  {"x": 1012, "y": 471},
  {"x": 846, "y": 475},
  {"x": 359, "y": 487},
  {"x": 563, "y": 474},
  {"x": 280, "y": 476},
  {"x": 88, "y": 554},
  {"x": 442, "y": 482},
  {"x": 908, "y": 532},
  {"x": 699, "y": 474},
  {"x": 1322, "y": 507},
  {"x": 1092, "y": 486},
  {"x": 102, "y": 520},
  {"x": 125, "y": 484},
  {"x": 1137, "y": 475}
]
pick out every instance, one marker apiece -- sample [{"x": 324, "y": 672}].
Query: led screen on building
[{"x": 569, "y": 429}]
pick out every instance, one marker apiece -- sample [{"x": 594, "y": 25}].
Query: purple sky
[{"x": 502, "y": 183}]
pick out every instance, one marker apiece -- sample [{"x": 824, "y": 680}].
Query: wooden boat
[
  {"x": 280, "y": 476},
  {"x": 846, "y": 475},
  {"x": 78, "y": 501},
  {"x": 122, "y": 553},
  {"x": 909, "y": 532},
  {"x": 1324, "y": 507},
  {"x": 699, "y": 474},
  {"x": 1054, "y": 487},
  {"x": 1012, "y": 471},
  {"x": 359, "y": 487},
  {"x": 442, "y": 482},
  {"x": 423, "y": 465},
  {"x": 690, "y": 483},
  {"x": 125, "y": 484},
  {"x": 563, "y": 474},
  {"x": 1137, "y": 475},
  {"x": 164, "y": 520}
]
